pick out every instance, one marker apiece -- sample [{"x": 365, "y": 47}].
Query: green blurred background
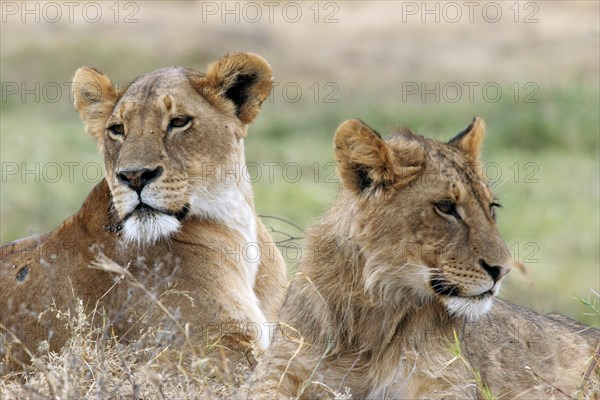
[{"x": 530, "y": 69}]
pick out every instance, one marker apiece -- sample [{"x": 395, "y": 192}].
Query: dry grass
[
  {"x": 94, "y": 364},
  {"x": 163, "y": 363}
]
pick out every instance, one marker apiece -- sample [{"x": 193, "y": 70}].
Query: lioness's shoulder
[{"x": 26, "y": 244}]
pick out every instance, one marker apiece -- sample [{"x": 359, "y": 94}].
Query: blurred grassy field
[{"x": 543, "y": 156}]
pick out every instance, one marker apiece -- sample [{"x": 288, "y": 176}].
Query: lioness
[
  {"x": 173, "y": 209},
  {"x": 395, "y": 296}
]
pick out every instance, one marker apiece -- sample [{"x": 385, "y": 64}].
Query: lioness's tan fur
[
  {"x": 197, "y": 264},
  {"x": 392, "y": 299}
]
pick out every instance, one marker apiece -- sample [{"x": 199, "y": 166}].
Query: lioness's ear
[
  {"x": 95, "y": 99},
  {"x": 243, "y": 78},
  {"x": 366, "y": 160},
  {"x": 469, "y": 141}
]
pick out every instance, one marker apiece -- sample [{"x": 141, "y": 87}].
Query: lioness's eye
[
  {"x": 447, "y": 207},
  {"x": 117, "y": 129},
  {"x": 179, "y": 122}
]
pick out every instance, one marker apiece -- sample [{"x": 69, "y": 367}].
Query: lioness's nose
[
  {"x": 495, "y": 271},
  {"x": 136, "y": 179}
]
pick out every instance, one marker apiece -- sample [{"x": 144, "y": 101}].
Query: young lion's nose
[
  {"x": 136, "y": 179},
  {"x": 495, "y": 271}
]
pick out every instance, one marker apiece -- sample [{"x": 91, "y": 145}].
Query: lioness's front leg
[{"x": 271, "y": 279}]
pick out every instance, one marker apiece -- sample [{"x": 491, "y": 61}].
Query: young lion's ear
[
  {"x": 95, "y": 99},
  {"x": 366, "y": 160},
  {"x": 469, "y": 141},
  {"x": 245, "y": 79}
]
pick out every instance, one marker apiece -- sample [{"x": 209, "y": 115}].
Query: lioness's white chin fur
[
  {"x": 149, "y": 228},
  {"x": 470, "y": 308}
]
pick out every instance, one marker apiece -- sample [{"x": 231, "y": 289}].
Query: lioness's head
[
  {"x": 172, "y": 139},
  {"x": 423, "y": 216}
]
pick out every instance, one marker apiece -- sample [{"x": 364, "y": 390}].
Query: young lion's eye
[
  {"x": 117, "y": 129},
  {"x": 447, "y": 207},
  {"x": 179, "y": 121},
  {"x": 493, "y": 207}
]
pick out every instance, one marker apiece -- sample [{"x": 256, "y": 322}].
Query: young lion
[
  {"x": 396, "y": 297},
  {"x": 174, "y": 210}
]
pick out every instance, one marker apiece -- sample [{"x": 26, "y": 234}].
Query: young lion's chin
[
  {"x": 471, "y": 308},
  {"x": 146, "y": 228}
]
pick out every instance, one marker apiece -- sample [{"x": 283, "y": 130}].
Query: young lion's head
[
  {"x": 172, "y": 139},
  {"x": 423, "y": 216}
]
